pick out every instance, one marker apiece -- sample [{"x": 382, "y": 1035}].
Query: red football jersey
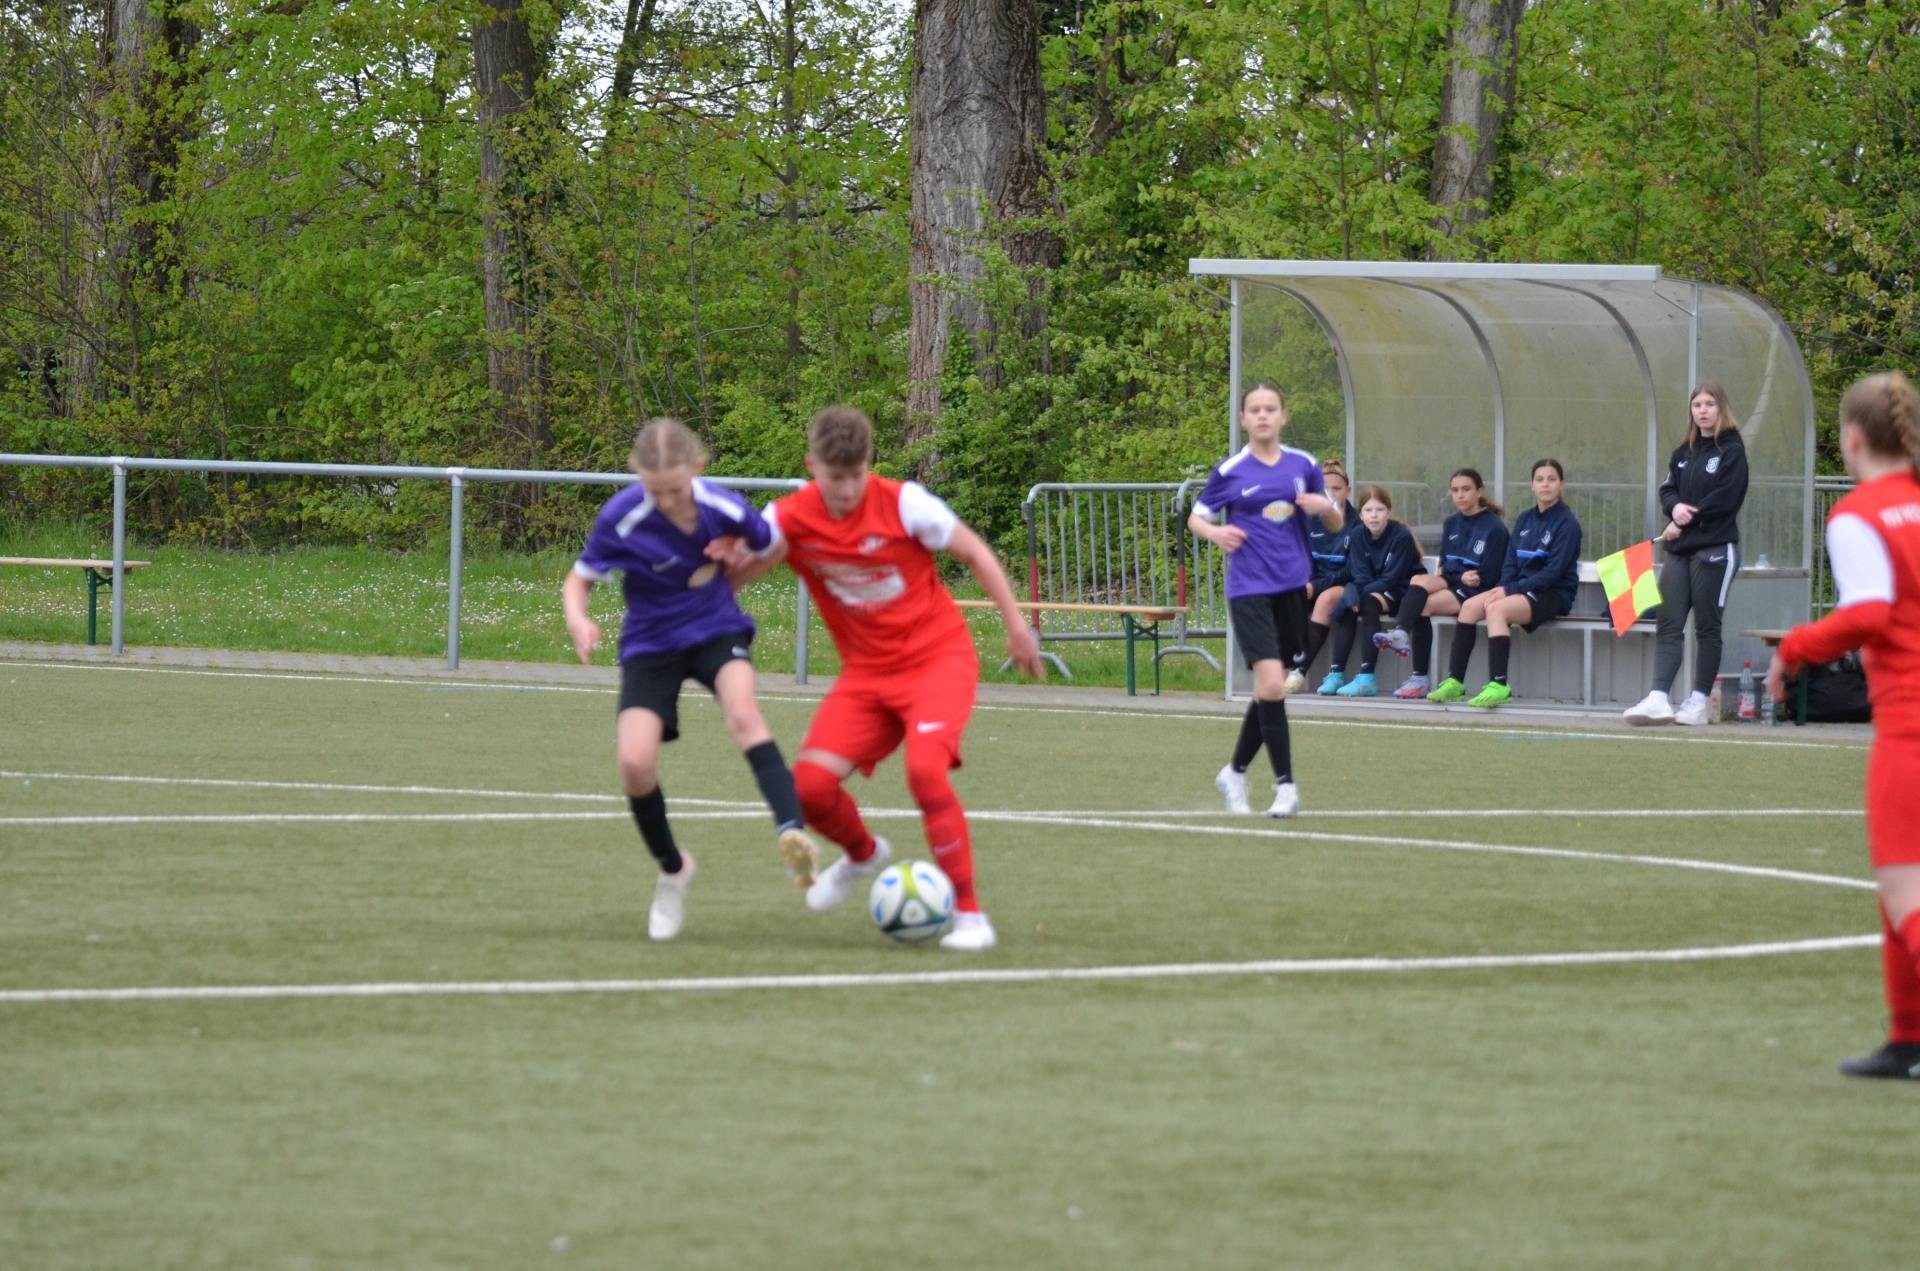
[
  {"x": 873, "y": 574},
  {"x": 1873, "y": 539}
]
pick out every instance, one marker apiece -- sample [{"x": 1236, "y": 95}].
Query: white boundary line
[
  {"x": 1375, "y": 813},
  {"x": 902, "y": 979},
  {"x": 1536, "y": 732},
  {"x": 1065, "y": 821}
]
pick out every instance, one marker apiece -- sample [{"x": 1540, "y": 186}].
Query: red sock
[
  {"x": 831, "y": 810},
  {"x": 1902, "y": 977},
  {"x": 945, "y": 821}
]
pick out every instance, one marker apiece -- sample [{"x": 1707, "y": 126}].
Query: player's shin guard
[
  {"x": 1273, "y": 728},
  {"x": 1250, "y": 736},
  {"x": 650, "y": 814},
  {"x": 1900, "y": 969},
  {"x": 831, "y": 810},
  {"x": 945, "y": 821},
  {"x": 776, "y": 785}
]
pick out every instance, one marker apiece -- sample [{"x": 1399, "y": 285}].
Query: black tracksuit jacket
[{"x": 1712, "y": 476}]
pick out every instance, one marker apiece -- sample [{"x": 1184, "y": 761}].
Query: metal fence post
[
  {"x": 453, "y": 570},
  {"x": 802, "y": 618},
  {"x": 119, "y": 556}
]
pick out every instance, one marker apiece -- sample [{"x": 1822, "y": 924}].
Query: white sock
[
  {"x": 1696, "y": 696},
  {"x": 1661, "y": 694}
]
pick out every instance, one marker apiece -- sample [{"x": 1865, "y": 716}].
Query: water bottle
[
  {"x": 1763, "y": 563},
  {"x": 1716, "y": 704},
  {"x": 1769, "y": 714},
  {"x": 1746, "y": 693}
]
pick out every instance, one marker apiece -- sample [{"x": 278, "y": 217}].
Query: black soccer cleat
[{"x": 1899, "y": 1061}]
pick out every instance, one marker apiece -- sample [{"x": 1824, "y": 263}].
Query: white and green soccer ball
[{"x": 911, "y": 902}]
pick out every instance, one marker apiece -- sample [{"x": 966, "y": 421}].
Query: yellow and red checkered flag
[{"x": 1632, "y": 583}]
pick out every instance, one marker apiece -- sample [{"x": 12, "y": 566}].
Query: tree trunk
[
  {"x": 977, "y": 120},
  {"x": 505, "y": 69},
  {"x": 1482, "y": 72},
  {"x": 138, "y": 132}
]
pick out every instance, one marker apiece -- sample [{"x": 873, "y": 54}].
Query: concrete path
[{"x": 1380, "y": 710}]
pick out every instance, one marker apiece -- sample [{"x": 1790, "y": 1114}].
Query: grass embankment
[{"x": 363, "y": 601}]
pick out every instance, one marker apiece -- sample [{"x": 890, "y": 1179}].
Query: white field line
[
  {"x": 906, "y": 979},
  {"x": 1065, "y": 821},
  {"x": 1451, "y": 845},
  {"x": 1368, "y": 813},
  {"x": 236, "y": 783},
  {"x": 1640, "y": 735}
]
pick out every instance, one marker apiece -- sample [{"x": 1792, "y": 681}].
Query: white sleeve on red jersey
[
  {"x": 1862, "y": 569},
  {"x": 926, "y": 516},
  {"x": 771, "y": 515}
]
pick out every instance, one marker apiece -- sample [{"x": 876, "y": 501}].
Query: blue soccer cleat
[
  {"x": 1331, "y": 685},
  {"x": 1362, "y": 686}
]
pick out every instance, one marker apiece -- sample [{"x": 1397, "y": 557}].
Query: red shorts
[
  {"x": 1893, "y": 776},
  {"x": 865, "y": 717}
]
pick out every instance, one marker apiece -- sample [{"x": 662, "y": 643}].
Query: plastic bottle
[
  {"x": 1769, "y": 709},
  {"x": 1746, "y": 693},
  {"x": 1716, "y": 704},
  {"x": 1763, "y": 564}
]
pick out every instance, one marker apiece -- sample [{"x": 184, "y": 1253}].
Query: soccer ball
[{"x": 911, "y": 902}]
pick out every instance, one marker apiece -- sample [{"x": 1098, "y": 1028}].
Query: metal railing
[
  {"x": 457, "y": 478},
  {"x": 1120, "y": 543},
  {"x": 1827, "y": 491}
]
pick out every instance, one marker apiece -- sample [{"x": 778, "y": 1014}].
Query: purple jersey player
[
  {"x": 668, "y": 536},
  {"x": 1255, "y": 508}
]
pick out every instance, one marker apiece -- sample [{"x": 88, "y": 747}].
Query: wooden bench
[
  {"x": 1138, "y": 622},
  {"x": 99, "y": 573}
]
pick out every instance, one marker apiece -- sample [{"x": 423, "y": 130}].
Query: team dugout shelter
[{"x": 1419, "y": 369}]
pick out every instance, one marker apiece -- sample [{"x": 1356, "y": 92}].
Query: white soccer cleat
[
  {"x": 837, "y": 881},
  {"x": 1234, "y": 786},
  {"x": 1654, "y": 709},
  {"x": 669, "y": 911},
  {"x": 1695, "y": 712},
  {"x": 802, "y": 857},
  {"x": 971, "y": 933},
  {"x": 1286, "y": 800},
  {"x": 1296, "y": 681}
]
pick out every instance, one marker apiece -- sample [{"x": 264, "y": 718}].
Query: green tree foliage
[{"x": 723, "y": 237}]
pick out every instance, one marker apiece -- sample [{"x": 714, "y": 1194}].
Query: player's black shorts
[
  {"x": 1270, "y": 626},
  {"x": 651, "y": 681},
  {"x": 1546, "y": 607}
]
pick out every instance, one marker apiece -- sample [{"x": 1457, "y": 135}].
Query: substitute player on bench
[
  {"x": 1873, "y": 538},
  {"x": 1256, "y": 495},
  {"x": 865, "y": 544},
  {"x": 668, "y": 536}
]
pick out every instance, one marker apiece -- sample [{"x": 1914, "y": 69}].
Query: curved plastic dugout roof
[{"x": 1493, "y": 366}]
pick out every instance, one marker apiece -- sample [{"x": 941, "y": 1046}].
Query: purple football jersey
[
  {"x": 676, "y": 597},
  {"x": 1259, "y": 498}
]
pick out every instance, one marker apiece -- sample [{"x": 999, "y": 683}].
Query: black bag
[{"x": 1836, "y": 693}]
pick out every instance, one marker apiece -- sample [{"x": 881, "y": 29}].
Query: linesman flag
[{"x": 1633, "y": 586}]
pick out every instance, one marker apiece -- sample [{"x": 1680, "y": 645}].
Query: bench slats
[{"x": 48, "y": 562}]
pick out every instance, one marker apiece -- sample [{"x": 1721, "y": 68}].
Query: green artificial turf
[
  {"x": 363, "y": 601},
  {"x": 1627, "y": 1116}
]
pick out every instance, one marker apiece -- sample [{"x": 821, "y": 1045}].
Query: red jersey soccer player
[
  {"x": 864, "y": 544},
  {"x": 1873, "y": 537}
]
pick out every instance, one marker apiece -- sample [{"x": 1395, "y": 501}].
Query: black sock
[
  {"x": 1369, "y": 627},
  {"x": 650, "y": 814},
  {"x": 1249, "y": 744},
  {"x": 1499, "y": 649},
  {"x": 1343, "y": 643},
  {"x": 1412, "y": 605},
  {"x": 1316, "y": 640},
  {"x": 1422, "y": 633},
  {"x": 1273, "y": 728},
  {"x": 1464, "y": 634},
  {"x": 776, "y": 784}
]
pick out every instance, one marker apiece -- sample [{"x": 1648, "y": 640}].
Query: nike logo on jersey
[
  {"x": 930, "y": 725},
  {"x": 1247, "y": 490},
  {"x": 665, "y": 565},
  {"x": 872, "y": 543}
]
